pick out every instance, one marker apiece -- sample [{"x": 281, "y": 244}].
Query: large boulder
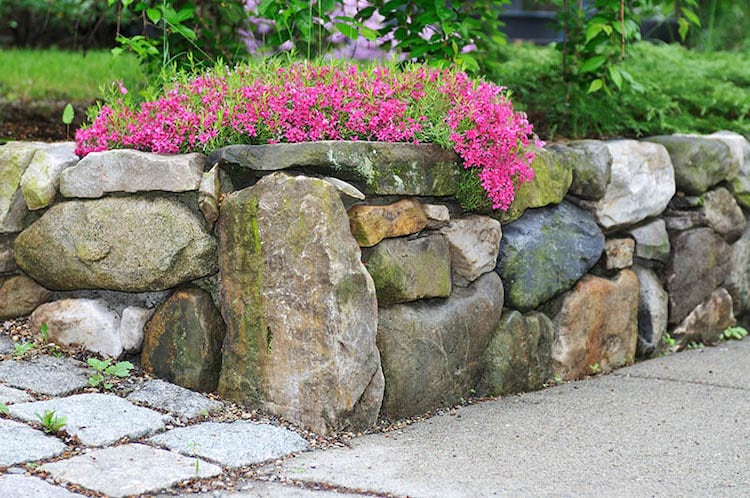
[
  {"x": 518, "y": 358},
  {"x": 740, "y": 184},
  {"x": 545, "y": 252},
  {"x": 20, "y": 295},
  {"x": 42, "y": 176},
  {"x": 405, "y": 270},
  {"x": 598, "y": 325},
  {"x": 592, "y": 169},
  {"x": 381, "y": 168},
  {"x": 126, "y": 170},
  {"x": 14, "y": 159},
  {"x": 432, "y": 350},
  {"x": 716, "y": 209},
  {"x": 642, "y": 183},
  {"x": 474, "y": 242},
  {"x": 653, "y": 306},
  {"x": 182, "y": 341},
  {"x": 699, "y": 162},
  {"x": 652, "y": 241},
  {"x": 738, "y": 279},
  {"x": 300, "y": 307},
  {"x": 132, "y": 244},
  {"x": 707, "y": 321},
  {"x": 553, "y": 174},
  {"x": 699, "y": 263}
]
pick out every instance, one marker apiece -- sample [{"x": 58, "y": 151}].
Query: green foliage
[
  {"x": 3, "y": 408},
  {"x": 106, "y": 372},
  {"x": 680, "y": 91},
  {"x": 736, "y": 333},
  {"x": 595, "y": 368},
  {"x": 668, "y": 341},
  {"x": 51, "y": 423},
  {"x": 21, "y": 349}
]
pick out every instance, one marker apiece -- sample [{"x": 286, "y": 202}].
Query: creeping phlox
[{"x": 307, "y": 102}]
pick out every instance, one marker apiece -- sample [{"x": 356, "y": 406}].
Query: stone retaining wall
[{"x": 330, "y": 282}]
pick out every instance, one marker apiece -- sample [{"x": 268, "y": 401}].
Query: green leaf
[
  {"x": 98, "y": 365},
  {"x": 691, "y": 16},
  {"x": 67, "y": 118},
  {"x": 592, "y": 64},
  {"x": 592, "y": 31},
  {"x": 614, "y": 74},
  {"x": 596, "y": 85},
  {"x": 120, "y": 369},
  {"x": 153, "y": 14},
  {"x": 3, "y": 408},
  {"x": 682, "y": 28},
  {"x": 347, "y": 30}
]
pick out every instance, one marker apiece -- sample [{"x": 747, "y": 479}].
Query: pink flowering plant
[{"x": 273, "y": 103}]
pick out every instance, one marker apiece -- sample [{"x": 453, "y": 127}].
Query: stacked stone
[{"x": 329, "y": 282}]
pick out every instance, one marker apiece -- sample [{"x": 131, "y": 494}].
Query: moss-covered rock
[{"x": 14, "y": 159}]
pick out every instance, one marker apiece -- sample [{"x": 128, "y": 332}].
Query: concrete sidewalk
[{"x": 673, "y": 426}]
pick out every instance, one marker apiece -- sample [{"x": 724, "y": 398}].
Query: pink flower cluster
[{"x": 306, "y": 102}]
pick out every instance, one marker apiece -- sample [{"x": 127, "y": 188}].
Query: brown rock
[
  {"x": 618, "y": 253},
  {"x": 19, "y": 296},
  {"x": 598, "y": 326},
  {"x": 371, "y": 224},
  {"x": 182, "y": 342},
  {"x": 707, "y": 321}
]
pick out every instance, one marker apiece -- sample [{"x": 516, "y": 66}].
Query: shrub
[{"x": 272, "y": 103}]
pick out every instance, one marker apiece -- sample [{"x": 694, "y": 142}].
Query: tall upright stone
[{"x": 300, "y": 307}]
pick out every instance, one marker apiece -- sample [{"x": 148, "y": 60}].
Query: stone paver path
[
  {"x": 45, "y": 375},
  {"x": 19, "y": 486},
  {"x": 182, "y": 402},
  {"x": 19, "y": 443}
]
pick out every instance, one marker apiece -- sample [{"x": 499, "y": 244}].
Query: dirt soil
[{"x": 39, "y": 120}]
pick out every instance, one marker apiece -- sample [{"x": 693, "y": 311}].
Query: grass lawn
[{"x": 51, "y": 74}]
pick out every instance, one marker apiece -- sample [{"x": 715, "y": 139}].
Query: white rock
[
  {"x": 438, "y": 215},
  {"x": 41, "y": 178},
  {"x": 209, "y": 192},
  {"x": 641, "y": 185},
  {"x": 474, "y": 243},
  {"x": 127, "y": 170},
  {"x": 132, "y": 323},
  {"x": 653, "y": 306},
  {"x": 652, "y": 240}
]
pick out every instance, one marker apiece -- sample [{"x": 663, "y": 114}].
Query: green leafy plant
[
  {"x": 21, "y": 349},
  {"x": 67, "y": 118},
  {"x": 3, "y": 408},
  {"x": 595, "y": 368},
  {"x": 695, "y": 345},
  {"x": 106, "y": 372},
  {"x": 51, "y": 423},
  {"x": 734, "y": 333}
]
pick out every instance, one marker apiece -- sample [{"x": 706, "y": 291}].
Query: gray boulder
[
  {"x": 432, "y": 350},
  {"x": 125, "y": 170},
  {"x": 518, "y": 356},
  {"x": 40, "y": 180},
  {"x": 699, "y": 162},
  {"x": 546, "y": 252},
  {"x": 738, "y": 278},
  {"x": 14, "y": 159},
  {"x": 300, "y": 307},
  {"x": 592, "y": 169},
  {"x": 653, "y": 305},
  {"x": 132, "y": 244},
  {"x": 405, "y": 270},
  {"x": 474, "y": 242},
  {"x": 652, "y": 241},
  {"x": 699, "y": 263},
  {"x": 707, "y": 321}
]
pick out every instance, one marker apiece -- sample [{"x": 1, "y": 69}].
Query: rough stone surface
[
  {"x": 737, "y": 281},
  {"x": 707, "y": 321},
  {"x": 641, "y": 184},
  {"x": 592, "y": 169},
  {"x": 381, "y": 168},
  {"x": 653, "y": 305},
  {"x": 405, "y": 270},
  {"x": 42, "y": 176},
  {"x": 45, "y": 375},
  {"x": 344, "y": 188},
  {"x": 474, "y": 242},
  {"x": 300, "y": 307},
  {"x": 125, "y": 170},
  {"x": 597, "y": 323},
  {"x": 131, "y": 244},
  {"x": 6, "y": 345},
  {"x": 133, "y": 321},
  {"x": 131, "y": 469},
  {"x": 371, "y": 224},
  {"x": 438, "y": 215},
  {"x": 652, "y": 241},
  {"x": 545, "y": 252},
  {"x": 21, "y": 443},
  {"x": 235, "y": 444},
  {"x": 699, "y": 162},
  {"x": 8, "y": 395},
  {"x": 432, "y": 350},
  {"x": 209, "y": 193},
  {"x": 618, "y": 253},
  {"x": 723, "y": 214},
  {"x": 183, "y": 340},
  {"x": 518, "y": 358},
  {"x": 699, "y": 263},
  {"x": 97, "y": 419},
  {"x": 14, "y": 159},
  {"x": 90, "y": 323},
  {"x": 177, "y": 400},
  {"x": 7, "y": 257},
  {"x": 22, "y": 486},
  {"x": 553, "y": 174},
  {"x": 740, "y": 184},
  {"x": 20, "y": 295}
]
